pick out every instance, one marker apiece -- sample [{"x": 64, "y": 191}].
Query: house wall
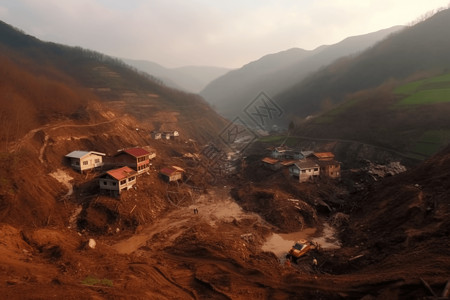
[
  {"x": 273, "y": 167},
  {"x": 175, "y": 177},
  {"x": 125, "y": 160},
  {"x": 112, "y": 184},
  {"x": 142, "y": 164},
  {"x": 156, "y": 136},
  {"x": 332, "y": 171},
  {"x": 309, "y": 174},
  {"x": 294, "y": 171},
  {"x": 109, "y": 184},
  {"x": 276, "y": 154},
  {"x": 88, "y": 162}
]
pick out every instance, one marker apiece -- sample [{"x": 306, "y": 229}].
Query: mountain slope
[
  {"x": 401, "y": 231},
  {"x": 56, "y": 99},
  {"x": 421, "y": 48},
  {"x": 190, "y": 78},
  {"x": 110, "y": 80},
  {"x": 410, "y": 118},
  {"x": 275, "y": 73}
]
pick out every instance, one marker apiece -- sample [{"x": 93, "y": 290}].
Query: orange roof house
[
  {"x": 271, "y": 163},
  {"x": 118, "y": 180},
  {"x": 329, "y": 167},
  {"x": 323, "y": 155}
]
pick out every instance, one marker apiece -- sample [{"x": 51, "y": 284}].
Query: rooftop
[
  {"x": 170, "y": 170},
  {"x": 121, "y": 173},
  {"x": 288, "y": 162},
  {"x": 324, "y": 163},
  {"x": 324, "y": 155},
  {"x": 306, "y": 164},
  {"x": 269, "y": 160},
  {"x": 136, "y": 152},
  {"x": 81, "y": 154}
]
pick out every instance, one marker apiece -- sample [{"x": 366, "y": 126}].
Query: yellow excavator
[{"x": 301, "y": 248}]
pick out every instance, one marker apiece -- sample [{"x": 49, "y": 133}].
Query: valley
[
  {"x": 114, "y": 185},
  {"x": 152, "y": 246}
]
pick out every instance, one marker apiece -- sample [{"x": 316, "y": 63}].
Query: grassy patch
[
  {"x": 278, "y": 139},
  {"x": 426, "y": 91},
  {"x": 427, "y": 97},
  {"x": 330, "y": 116},
  {"x": 431, "y": 142},
  {"x": 272, "y": 138},
  {"x": 90, "y": 280}
]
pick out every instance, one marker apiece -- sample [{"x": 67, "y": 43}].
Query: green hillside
[
  {"x": 415, "y": 50},
  {"x": 426, "y": 91},
  {"x": 411, "y": 118}
]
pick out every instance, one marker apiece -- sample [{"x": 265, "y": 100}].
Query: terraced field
[{"x": 426, "y": 91}]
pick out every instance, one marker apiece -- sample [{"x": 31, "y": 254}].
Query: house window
[
  {"x": 131, "y": 179},
  {"x": 123, "y": 181},
  {"x": 114, "y": 183},
  {"x": 97, "y": 160},
  {"x": 77, "y": 163},
  {"x": 316, "y": 169},
  {"x": 303, "y": 171},
  {"x": 85, "y": 163},
  {"x": 105, "y": 183},
  {"x": 331, "y": 173}
]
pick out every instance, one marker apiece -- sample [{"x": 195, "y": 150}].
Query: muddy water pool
[{"x": 280, "y": 243}]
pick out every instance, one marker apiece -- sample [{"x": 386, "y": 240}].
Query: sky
[{"x": 224, "y": 33}]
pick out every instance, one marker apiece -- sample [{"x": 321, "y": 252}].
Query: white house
[
  {"x": 85, "y": 160},
  {"x": 156, "y": 135},
  {"x": 305, "y": 170}
]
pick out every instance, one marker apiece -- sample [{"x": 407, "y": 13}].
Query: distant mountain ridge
[
  {"x": 189, "y": 78},
  {"x": 423, "y": 47},
  {"x": 275, "y": 73}
]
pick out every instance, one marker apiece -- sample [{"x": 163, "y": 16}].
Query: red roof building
[
  {"x": 172, "y": 173},
  {"x": 118, "y": 180},
  {"x": 136, "y": 158}
]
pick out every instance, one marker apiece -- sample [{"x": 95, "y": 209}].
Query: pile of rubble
[{"x": 380, "y": 171}]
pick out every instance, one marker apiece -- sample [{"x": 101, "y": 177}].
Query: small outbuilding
[
  {"x": 85, "y": 160},
  {"x": 156, "y": 135},
  {"x": 172, "y": 173}
]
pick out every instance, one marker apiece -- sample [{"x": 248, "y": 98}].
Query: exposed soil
[{"x": 380, "y": 240}]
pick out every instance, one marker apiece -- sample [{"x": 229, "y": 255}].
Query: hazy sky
[{"x": 206, "y": 32}]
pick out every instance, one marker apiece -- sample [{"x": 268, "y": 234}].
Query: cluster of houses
[
  {"x": 304, "y": 165},
  {"x": 165, "y": 135},
  {"x": 133, "y": 162}
]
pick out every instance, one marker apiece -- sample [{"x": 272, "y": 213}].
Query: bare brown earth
[{"x": 151, "y": 245}]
